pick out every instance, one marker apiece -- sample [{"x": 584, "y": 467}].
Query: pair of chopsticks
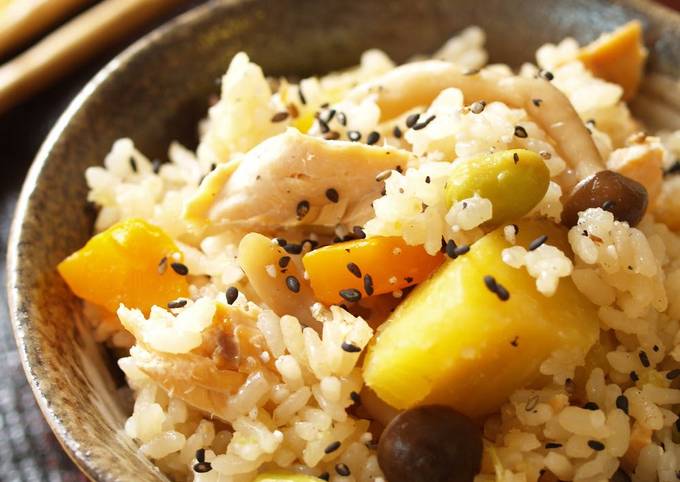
[{"x": 59, "y": 52}]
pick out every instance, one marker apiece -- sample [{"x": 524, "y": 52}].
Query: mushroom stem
[{"x": 418, "y": 83}]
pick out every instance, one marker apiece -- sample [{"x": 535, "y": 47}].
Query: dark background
[{"x": 28, "y": 450}]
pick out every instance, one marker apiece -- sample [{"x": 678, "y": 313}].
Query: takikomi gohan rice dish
[{"x": 439, "y": 271}]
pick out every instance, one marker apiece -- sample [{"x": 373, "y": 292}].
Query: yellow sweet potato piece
[
  {"x": 618, "y": 57},
  {"x": 121, "y": 265},
  {"x": 455, "y": 342}
]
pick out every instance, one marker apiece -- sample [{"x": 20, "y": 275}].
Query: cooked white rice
[{"x": 295, "y": 404}]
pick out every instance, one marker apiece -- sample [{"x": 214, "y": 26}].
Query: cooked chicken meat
[{"x": 293, "y": 179}]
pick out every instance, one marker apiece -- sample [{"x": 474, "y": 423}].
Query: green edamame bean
[{"x": 514, "y": 181}]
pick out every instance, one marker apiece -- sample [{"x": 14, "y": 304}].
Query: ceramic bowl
[{"x": 157, "y": 90}]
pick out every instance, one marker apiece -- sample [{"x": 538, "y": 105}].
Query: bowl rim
[{"x": 647, "y": 8}]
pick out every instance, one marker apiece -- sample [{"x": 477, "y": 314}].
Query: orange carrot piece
[
  {"x": 121, "y": 265},
  {"x": 384, "y": 264}
]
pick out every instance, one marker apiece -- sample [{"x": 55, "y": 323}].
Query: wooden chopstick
[
  {"x": 73, "y": 43},
  {"x": 22, "y": 20}
]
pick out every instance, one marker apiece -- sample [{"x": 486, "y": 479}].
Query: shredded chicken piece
[
  {"x": 193, "y": 378},
  {"x": 208, "y": 376},
  {"x": 642, "y": 160},
  {"x": 667, "y": 209},
  {"x": 284, "y": 182},
  {"x": 418, "y": 83}
]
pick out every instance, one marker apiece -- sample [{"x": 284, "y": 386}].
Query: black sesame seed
[
  {"x": 293, "y": 248},
  {"x": 350, "y": 294},
  {"x": 200, "y": 455},
  {"x": 546, "y": 74},
  {"x": 301, "y": 95},
  {"x": 596, "y": 445},
  {"x": 644, "y": 359},
  {"x": 372, "y": 138},
  {"x": 343, "y": 470},
  {"x": 537, "y": 102},
  {"x": 608, "y": 205},
  {"x": 302, "y": 209},
  {"x": 323, "y": 127},
  {"x": 329, "y": 116},
  {"x": 368, "y": 284},
  {"x": 451, "y": 249},
  {"x": 673, "y": 374},
  {"x": 490, "y": 283},
  {"x": 133, "y": 164},
  {"x": 674, "y": 169},
  {"x": 355, "y": 397},
  {"x": 283, "y": 261},
  {"x": 538, "y": 242},
  {"x": 332, "y": 447},
  {"x": 342, "y": 118},
  {"x": 359, "y": 232},
  {"x": 293, "y": 284},
  {"x": 156, "y": 166},
  {"x": 354, "y": 136},
  {"x": 180, "y": 269},
  {"x": 202, "y": 467},
  {"x": 332, "y": 195},
  {"x": 163, "y": 265},
  {"x": 424, "y": 124},
  {"x": 408, "y": 279},
  {"x": 502, "y": 292},
  {"x": 232, "y": 294},
  {"x": 515, "y": 157},
  {"x": 634, "y": 376},
  {"x": 655, "y": 348},
  {"x": 622, "y": 403},
  {"x": 354, "y": 269},
  {"x": 177, "y": 304},
  {"x": 553, "y": 445},
  {"x": 411, "y": 120},
  {"x": 427, "y": 179},
  {"x": 399, "y": 169},
  {"x": 477, "y": 107},
  {"x": 515, "y": 341},
  {"x": 281, "y": 242},
  {"x": 349, "y": 347},
  {"x": 313, "y": 244},
  {"x": 521, "y": 132},
  {"x": 325, "y": 476},
  {"x": 279, "y": 116},
  {"x": 591, "y": 406},
  {"x": 396, "y": 132},
  {"x": 460, "y": 250}
]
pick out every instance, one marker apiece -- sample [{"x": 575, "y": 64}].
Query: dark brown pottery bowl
[{"x": 157, "y": 90}]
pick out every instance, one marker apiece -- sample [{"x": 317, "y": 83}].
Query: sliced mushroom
[
  {"x": 418, "y": 83},
  {"x": 285, "y": 180},
  {"x": 260, "y": 258}
]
